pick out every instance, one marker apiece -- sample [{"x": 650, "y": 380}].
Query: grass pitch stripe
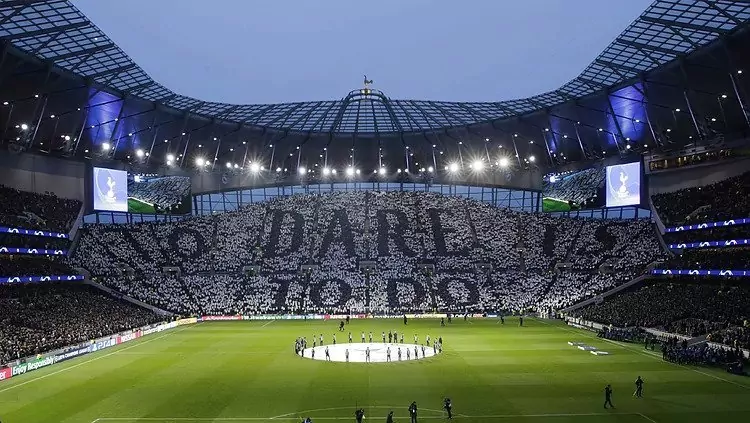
[
  {"x": 92, "y": 360},
  {"x": 647, "y": 354}
]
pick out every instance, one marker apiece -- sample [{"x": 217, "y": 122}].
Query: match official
[{"x": 608, "y": 396}]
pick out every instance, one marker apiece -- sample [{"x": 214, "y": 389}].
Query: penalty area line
[{"x": 91, "y": 360}]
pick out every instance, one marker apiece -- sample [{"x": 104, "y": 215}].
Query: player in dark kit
[
  {"x": 389, "y": 419},
  {"x": 341, "y": 326},
  {"x": 359, "y": 415},
  {"x": 405, "y": 319},
  {"x": 638, "y": 388},
  {"x": 608, "y": 396},
  {"x": 448, "y": 406},
  {"x": 413, "y": 412},
  {"x": 520, "y": 321}
]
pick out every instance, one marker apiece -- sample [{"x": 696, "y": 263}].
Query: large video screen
[
  {"x": 573, "y": 190},
  {"x": 110, "y": 188},
  {"x": 154, "y": 194},
  {"x": 117, "y": 190},
  {"x": 624, "y": 184}
]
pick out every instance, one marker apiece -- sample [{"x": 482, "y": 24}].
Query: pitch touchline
[
  {"x": 648, "y": 354},
  {"x": 90, "y": 360},
  {"x": 290, "y": 415}
]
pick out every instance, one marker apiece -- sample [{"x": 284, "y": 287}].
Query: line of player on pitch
[
  {"x": 393, "y": 338},
  {"x": 359, "y": 413}
]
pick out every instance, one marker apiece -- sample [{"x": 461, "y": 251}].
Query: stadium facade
[{"x": 673, "y": 79}]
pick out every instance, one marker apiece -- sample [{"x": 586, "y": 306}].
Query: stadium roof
[
  {"x": 673, "y": 78},
  {"x": 56, "y": 31}
]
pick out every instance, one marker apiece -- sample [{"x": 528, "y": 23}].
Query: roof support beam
[
  {"x": 617, "y": 66},
  {"x": 642, "y": 46},
  {"x": 87, "y": 52},
  {"x": 114, "y": 71},
  {"x": 674, "y": 24},
  {"x": 722, "y": 12},
  {"x": 61, "y": 28}
]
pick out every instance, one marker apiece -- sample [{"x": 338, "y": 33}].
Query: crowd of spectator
[
  {"x": 703, "y": 354},
  {"x": 720, "y": 311},
  {"x": 23, "y": 265},
  {"x": 726, "y": 258},
  {"x": 31, "y": 210},
  {"x": 712, "y": 234},
  {"x": 35, "y": 318},
  {"x": 27, "y": 241},
  {"x": 310, "y": 252},
  {"x": 699, "y": 204}
]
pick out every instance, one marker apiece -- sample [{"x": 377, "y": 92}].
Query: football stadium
[{"x": 580, "y": 255}]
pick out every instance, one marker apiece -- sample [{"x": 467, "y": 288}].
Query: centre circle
[{"x": 378, "y": 352}]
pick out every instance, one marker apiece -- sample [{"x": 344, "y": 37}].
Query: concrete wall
[
  {"x": 29, "y": 172},
  {"x": 697, "y": 176}
]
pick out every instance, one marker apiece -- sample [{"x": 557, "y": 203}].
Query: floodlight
[
  {"x": 453, "y": 167},
  {"x": 302, "y": 170},
  {"x": 504, "y": 162},
  {"x": 349, "y": 171},
  {"x": 139, "y": 153},
  {"x": 326, "y": 171},
  {"x": 254, "y": 167},
  {"x": 105, "y": 146},
  {"x": 532, "y": 159},
  {"x": 199, "y": 161}
]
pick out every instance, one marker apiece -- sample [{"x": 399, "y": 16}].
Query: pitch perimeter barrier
[{"x": 29, "y": 364}]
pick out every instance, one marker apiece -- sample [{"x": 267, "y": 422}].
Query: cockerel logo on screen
[
  {"x": 623, "y": 192},
  {"x": 111, "y": 197}
]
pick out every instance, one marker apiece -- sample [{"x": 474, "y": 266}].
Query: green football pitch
[
  {"x": 137, "y": 206},
  {"x": 554, "y": 205},
  {"x": 247, "y": 372}
]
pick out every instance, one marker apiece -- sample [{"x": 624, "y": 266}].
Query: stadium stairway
[
  {"x": 77, "y": 224},
  {"x": 659, "y": 227},
  {"x": 573, "y": 244}
]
